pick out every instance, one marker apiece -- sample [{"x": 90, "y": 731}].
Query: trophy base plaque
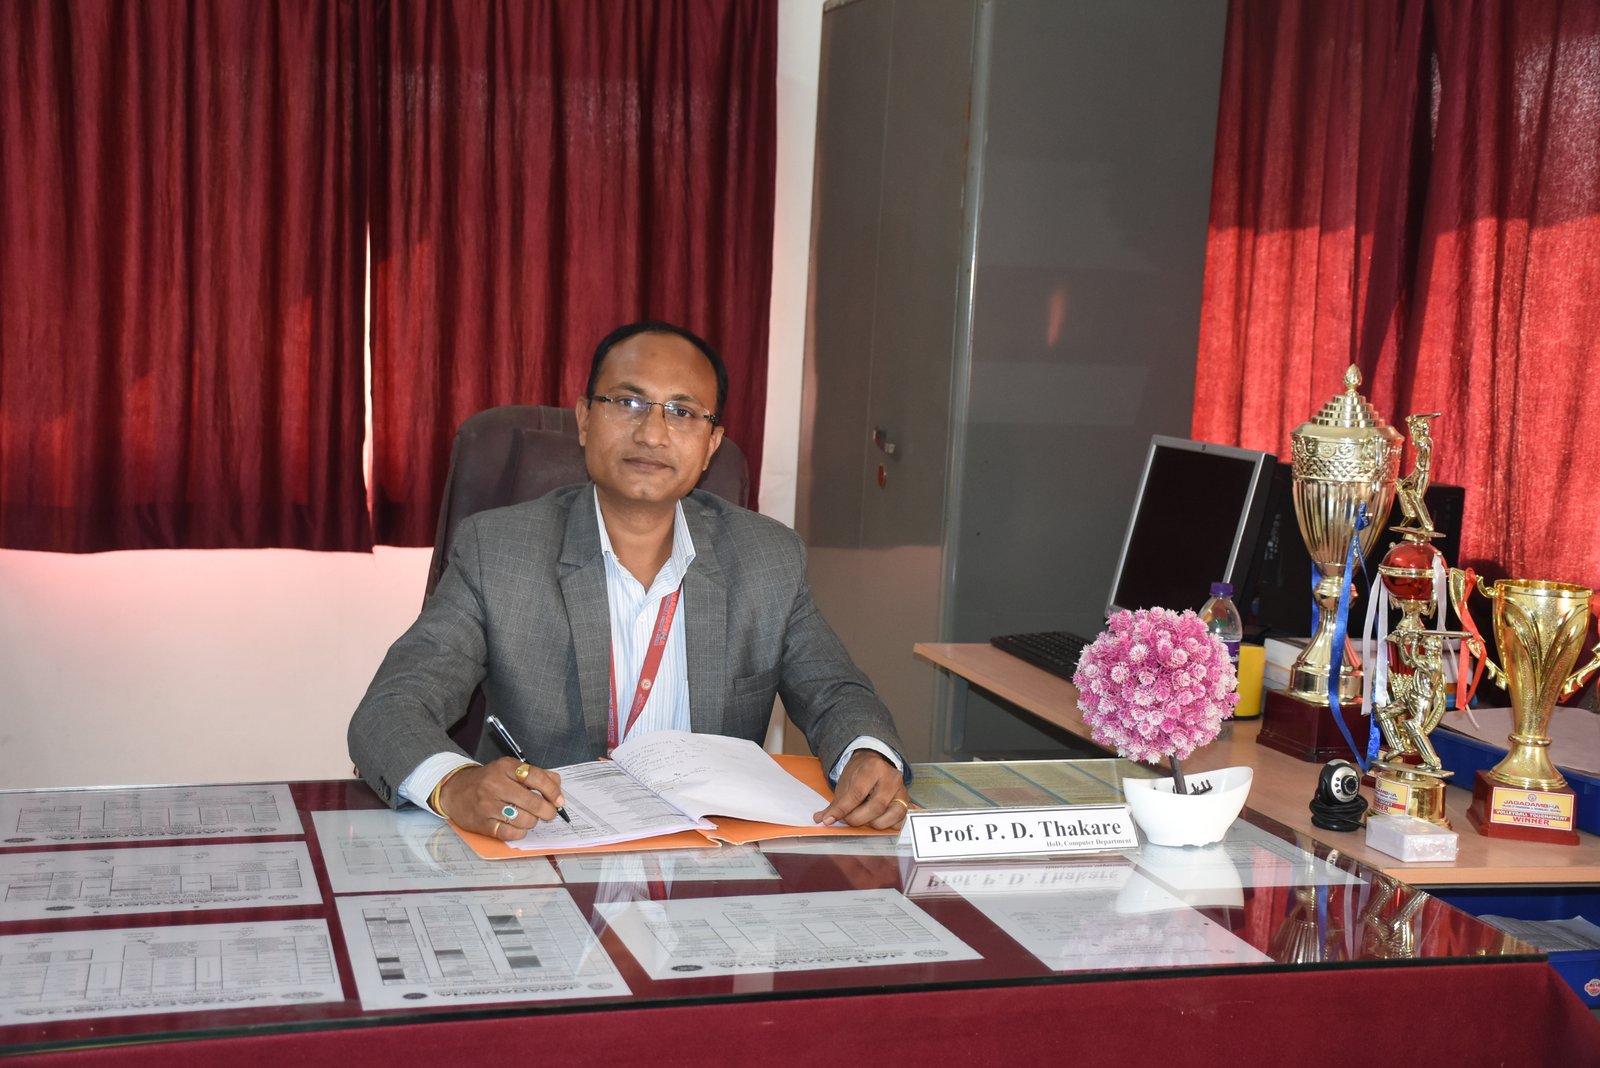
[
  {"x": 1500, "y": 811},
  {"x": 1306, "y": 731},
  {"x": 1402, "y": 790}
]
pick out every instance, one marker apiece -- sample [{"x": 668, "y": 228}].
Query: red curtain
[
  {"x": 1439, "y": 225},
  {"x": 182, "y": 210},
  {"x": 545, "y": 172}
]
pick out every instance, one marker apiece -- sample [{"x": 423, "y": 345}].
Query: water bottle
[{"x": 1222, "y": 619}]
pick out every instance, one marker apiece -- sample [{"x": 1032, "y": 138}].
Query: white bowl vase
[{"x": 1169, "y": 819}]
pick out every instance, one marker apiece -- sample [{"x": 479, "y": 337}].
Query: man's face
[{"x": 644, "y": 460}]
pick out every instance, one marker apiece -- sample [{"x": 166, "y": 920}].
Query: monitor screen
[{"x": 1196, "y": 518}]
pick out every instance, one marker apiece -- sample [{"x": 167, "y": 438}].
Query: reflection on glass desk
[{"x": 708, "y": 940}]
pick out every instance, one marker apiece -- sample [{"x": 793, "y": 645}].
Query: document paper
[
  {"x": 143, "y": 813},
  {"x": 473, "y": 947},
  {"x": 76, "y": 975},
  {"x": 1137, "y": 925},
  {"x": 663, "y": 782},
  {"x": 376, "y": 850},
  {"x": 722, "y": 864},
  {"x": 71, "y": 883},
  {"x": 780, "y": 933}
]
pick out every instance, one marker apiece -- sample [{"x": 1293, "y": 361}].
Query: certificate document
[
  {"x": 780, "y": 933},
  {"x": 108, "y": 882},
  {"x": 473, "y": 947},
  {"x": 142, "y": 813},
  {"x": 668, "y": 866},
  {"x": 1134, "y": 925},
  {"x": 74, "y": 975},
  {"x": 369, "y": 850}
]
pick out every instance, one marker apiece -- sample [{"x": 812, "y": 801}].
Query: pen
[{"x": 516, "y": 750}]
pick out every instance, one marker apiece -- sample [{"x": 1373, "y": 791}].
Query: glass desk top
[{"x": 310, "y": 906}]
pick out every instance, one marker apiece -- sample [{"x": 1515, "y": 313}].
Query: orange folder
[{"x": 808, "y": 769}]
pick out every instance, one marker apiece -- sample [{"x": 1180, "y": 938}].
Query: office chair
[{"x": 520, "y": 452}]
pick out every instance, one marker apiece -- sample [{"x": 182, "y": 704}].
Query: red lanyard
[{"x": 647, "y": 671}]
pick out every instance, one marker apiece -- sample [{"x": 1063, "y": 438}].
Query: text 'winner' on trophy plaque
[
  {"x": 1539, "y": 629},
  {"x": 1345, "y": 463}
]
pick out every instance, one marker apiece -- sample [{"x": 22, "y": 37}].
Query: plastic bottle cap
[{"x": 1222, "y": 589}]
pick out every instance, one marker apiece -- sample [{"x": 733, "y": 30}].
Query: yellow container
[{"x": 1252, "y": 663}]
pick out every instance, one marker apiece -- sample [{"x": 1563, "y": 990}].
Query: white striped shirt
[{"x": 633, "y": 618}]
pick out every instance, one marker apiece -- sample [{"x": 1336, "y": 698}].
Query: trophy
[
  {"x": 1345, "y": 461},
  {"x": 1539, "y": 629},
  {"x": 1407, "y": 777}
]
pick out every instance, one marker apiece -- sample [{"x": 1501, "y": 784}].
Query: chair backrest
[{"x": 518, "y": 453}]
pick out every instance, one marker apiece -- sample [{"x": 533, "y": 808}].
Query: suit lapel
[
  {"x": 705, "y": 606},
  {"x": 583, "y": 587}
]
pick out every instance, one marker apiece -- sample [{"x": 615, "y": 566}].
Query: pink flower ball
[{"x": 1155, "y": 684}]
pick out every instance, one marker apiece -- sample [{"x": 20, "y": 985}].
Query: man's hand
[
  {"x": 475, "y": 798},
  {"x": 870, "y": 793}
]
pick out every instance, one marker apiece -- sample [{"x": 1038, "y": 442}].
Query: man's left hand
[{"x": 871, "y": 793}]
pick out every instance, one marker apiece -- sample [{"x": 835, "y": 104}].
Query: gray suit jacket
[{"x": 522, "y": 609}]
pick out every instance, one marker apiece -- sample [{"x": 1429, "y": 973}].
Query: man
[{"x": 632, "y": 603}]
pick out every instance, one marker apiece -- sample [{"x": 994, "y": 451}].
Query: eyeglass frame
[{"x": 637, "y": 410}]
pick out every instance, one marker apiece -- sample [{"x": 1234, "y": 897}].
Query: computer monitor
[
  {"x": 1275, "y": 599},
  {"x": 1196, "y": 520}
]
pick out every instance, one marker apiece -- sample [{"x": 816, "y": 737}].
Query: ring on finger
[
  {"x": 903, "y": 802},
  {"x": 509, "y": 812},
  {"x": 522, "y": 772},
  {"x": 496, "y": 829}
]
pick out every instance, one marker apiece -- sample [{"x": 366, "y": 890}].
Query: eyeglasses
[{"x": 682, "y": 417}]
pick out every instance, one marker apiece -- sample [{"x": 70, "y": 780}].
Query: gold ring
[
  {"x": 904, "y": 802},
  {"x": 496, "y": 830},
  {"x": 521, "y": 774}
]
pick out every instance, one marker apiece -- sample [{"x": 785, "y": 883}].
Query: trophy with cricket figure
[
  {"x": 1408, "y": 778},
  {"x": 1345, "y": 463}
]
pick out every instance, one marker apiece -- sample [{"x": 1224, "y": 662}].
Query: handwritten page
[
  {"x": 712, "y": 775},
  {"x": 664, "y": 782},
  {"x": 606, "y": 805}
]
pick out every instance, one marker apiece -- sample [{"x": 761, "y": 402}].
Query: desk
[
  {"x": 1283, "y": 785},
  {"x": 1006, "y": 1007}
]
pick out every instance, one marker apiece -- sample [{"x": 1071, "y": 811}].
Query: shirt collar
[{"x": 678, "y": 562}]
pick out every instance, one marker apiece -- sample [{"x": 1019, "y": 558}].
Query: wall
[{"x": 161, "y": 667}]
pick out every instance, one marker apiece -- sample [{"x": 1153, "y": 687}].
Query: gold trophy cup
[
  {"x": 1345, "y": 462},
  {"x": 1539, "y": 629}
]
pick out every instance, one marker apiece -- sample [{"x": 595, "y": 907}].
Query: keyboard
[{"x": 1056, "y": 651}]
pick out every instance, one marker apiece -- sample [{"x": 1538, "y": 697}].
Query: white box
[{"x": 1411, "y": 839}]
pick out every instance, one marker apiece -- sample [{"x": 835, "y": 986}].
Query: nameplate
[
  {"x": 1018, "y": 832},
  {"x": 1513, "y": 806}
]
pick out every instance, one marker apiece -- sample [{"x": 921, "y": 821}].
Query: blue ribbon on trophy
[{"x": 1341, "y": 629}]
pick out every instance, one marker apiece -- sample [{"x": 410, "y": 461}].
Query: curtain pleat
[
  {"x": 547, "y": 171},
  {"x": 185, "y": 198},
  {"x": 1415, "y": 188},
  {"x": 179, "y": 361}
]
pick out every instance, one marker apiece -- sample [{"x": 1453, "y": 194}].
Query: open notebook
[{"x": 675, "y": 789}]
